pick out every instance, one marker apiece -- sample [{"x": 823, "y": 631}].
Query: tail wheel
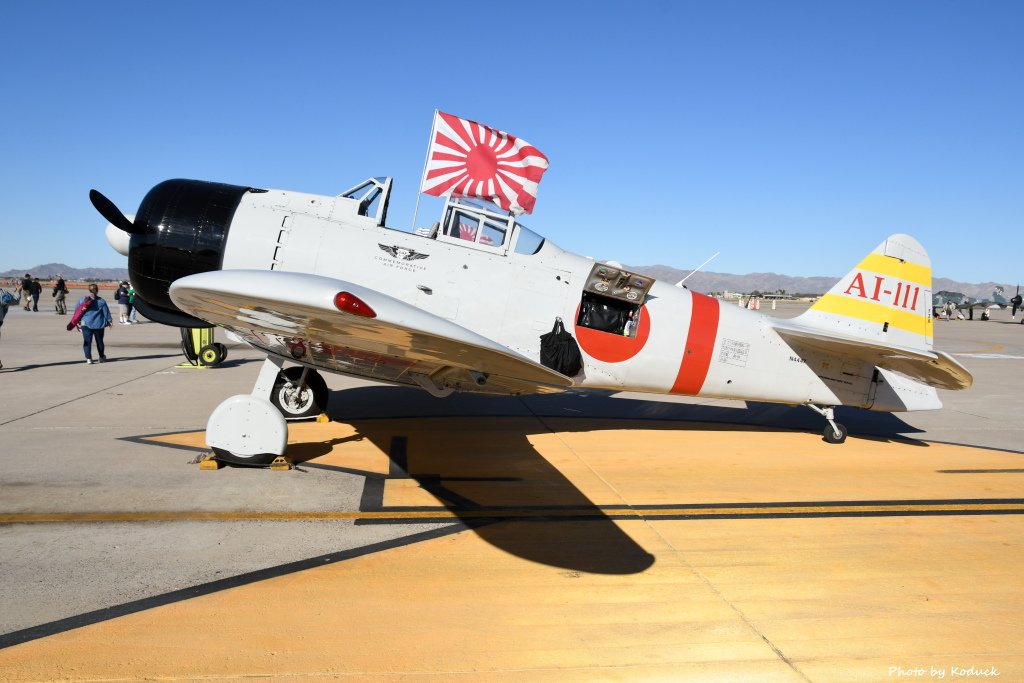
[
  {"x": 297, "y": 400},
  {"x": 210, "y": 355},
  {"x": 831, "y": 435}
]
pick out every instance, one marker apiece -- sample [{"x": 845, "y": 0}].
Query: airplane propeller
[{"x": 113, "y": 214}]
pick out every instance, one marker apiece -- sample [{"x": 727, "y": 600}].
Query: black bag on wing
[{"x": 560, "y": 352}]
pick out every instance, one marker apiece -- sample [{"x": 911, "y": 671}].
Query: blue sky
[{"x": 791, "y": 136}]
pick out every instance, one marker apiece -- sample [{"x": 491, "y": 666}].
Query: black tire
[
  {"x": 309, "y": 402},
  {"x": 223, "y": 351},
  {"x": 186, "y": 347},
  {"x": 258, "y": 460},
  {"x": 830, "y": 435},
  {"x": 209, "y": 355}
]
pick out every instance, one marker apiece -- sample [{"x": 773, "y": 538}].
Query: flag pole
[{"x": 426, "y": 159}]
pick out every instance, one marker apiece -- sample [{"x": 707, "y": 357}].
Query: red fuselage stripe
[{"x": 700, "y": 344}]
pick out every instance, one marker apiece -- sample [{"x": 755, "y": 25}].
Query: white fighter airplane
[{"x": 321, "y": 283}]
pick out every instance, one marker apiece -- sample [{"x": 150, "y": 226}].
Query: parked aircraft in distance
[
  {"x": 966, "y": 303},
  {"x": 321, "y": 282}
]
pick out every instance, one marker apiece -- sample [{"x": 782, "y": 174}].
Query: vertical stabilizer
[{"x": 885, "y": 298}]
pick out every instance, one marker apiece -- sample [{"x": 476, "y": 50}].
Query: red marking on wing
[{"x": 700, "y": 344}]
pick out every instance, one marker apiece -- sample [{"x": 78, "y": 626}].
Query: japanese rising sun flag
[{"x": 469, "y": 159}]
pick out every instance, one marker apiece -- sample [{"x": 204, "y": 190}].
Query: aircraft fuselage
[{"x": 678, "y": 341}]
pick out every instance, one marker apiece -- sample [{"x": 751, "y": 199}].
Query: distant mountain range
[
  {"x": 51, "y": 270},
  {"x": 704, "y": 281},
  {"x": 790, "y": 284}
]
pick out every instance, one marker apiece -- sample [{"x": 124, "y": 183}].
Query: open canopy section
[{"x": 373, "y": 195}]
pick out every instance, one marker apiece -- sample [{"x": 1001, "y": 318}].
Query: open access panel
[{"x": 611, "y": 300}]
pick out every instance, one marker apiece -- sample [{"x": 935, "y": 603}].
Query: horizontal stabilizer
[{"x": 934, "y": 368}]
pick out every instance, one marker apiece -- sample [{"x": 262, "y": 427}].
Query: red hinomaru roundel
[{"x": 613, "y": 348}]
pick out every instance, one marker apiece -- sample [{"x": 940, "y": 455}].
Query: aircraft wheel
[
  {"x": 830, "y": 434},
  {"x": 295, "y": 402},
  {"x": 210, "y": 355},
  {"x": 223, "y": 351}
]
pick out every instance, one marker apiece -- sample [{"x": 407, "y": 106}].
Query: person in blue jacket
[{"x": 95, "y": 319}]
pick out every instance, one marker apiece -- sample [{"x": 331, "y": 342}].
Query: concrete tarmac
[{"x": 577, "y": 537}]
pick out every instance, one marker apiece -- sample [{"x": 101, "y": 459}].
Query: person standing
[
  {"x": 3, "y": 314},
  {"x": 26, "y": 290},
  {"x": 122, "y": 302},
  {"x": 60, "y": 291},
  {"x": 37, "y": 289},
  {"x": 133, "y": 313},
  {"x": 94, "y": 321},
  {"x": 1016, "y": 301}
]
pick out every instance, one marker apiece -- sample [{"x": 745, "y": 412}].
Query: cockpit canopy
[{"x": 472, "y": 223}]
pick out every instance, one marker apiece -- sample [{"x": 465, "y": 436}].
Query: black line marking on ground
[
  {"x": 1011, "y": 471},
  {"x": 600, "y": 517},
  {"x": 107, "y": 613},
  {"x": 713, "y": 506}
]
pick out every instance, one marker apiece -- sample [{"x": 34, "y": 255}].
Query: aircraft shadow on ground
[
  {"x": 492, "y": 478},
  {"x": 381, "y": 402},
  {"x": 495, "y": 483}
]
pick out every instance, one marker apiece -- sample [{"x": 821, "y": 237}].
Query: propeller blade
[{"x": 113, "y": 214}]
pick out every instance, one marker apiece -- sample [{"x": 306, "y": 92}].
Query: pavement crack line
[
  {"x": 679, "y": 555},
  {"x": 83, "y": 396}
]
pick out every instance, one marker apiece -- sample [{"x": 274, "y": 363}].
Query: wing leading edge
[{"x": 293, "y": 315}]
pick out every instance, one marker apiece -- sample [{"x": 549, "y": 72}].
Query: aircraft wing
[
  {"x": 294, "y": 315},
  {"x": 934, "y": 368}
]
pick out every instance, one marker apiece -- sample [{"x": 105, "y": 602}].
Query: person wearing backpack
[
  {"x": 121, "y": 295},
  {"x": 26, "y": 291},
  {"x": 60, "y": 291},
  {"x": 36, "y": 289}
]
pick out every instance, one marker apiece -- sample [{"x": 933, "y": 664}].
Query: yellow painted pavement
[{"x": 622, "y": 594}]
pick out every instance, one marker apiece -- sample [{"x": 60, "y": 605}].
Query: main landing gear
[
  {"x": 833, "y": 432},
  {"x": 299, "y": 392},
  {"x": 251, "y": 429}
]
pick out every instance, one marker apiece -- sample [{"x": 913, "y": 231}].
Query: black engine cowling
[{"x": 181, "y": 229}]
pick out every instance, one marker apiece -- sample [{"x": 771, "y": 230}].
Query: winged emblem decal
[{"x": 403, "y": 253}]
